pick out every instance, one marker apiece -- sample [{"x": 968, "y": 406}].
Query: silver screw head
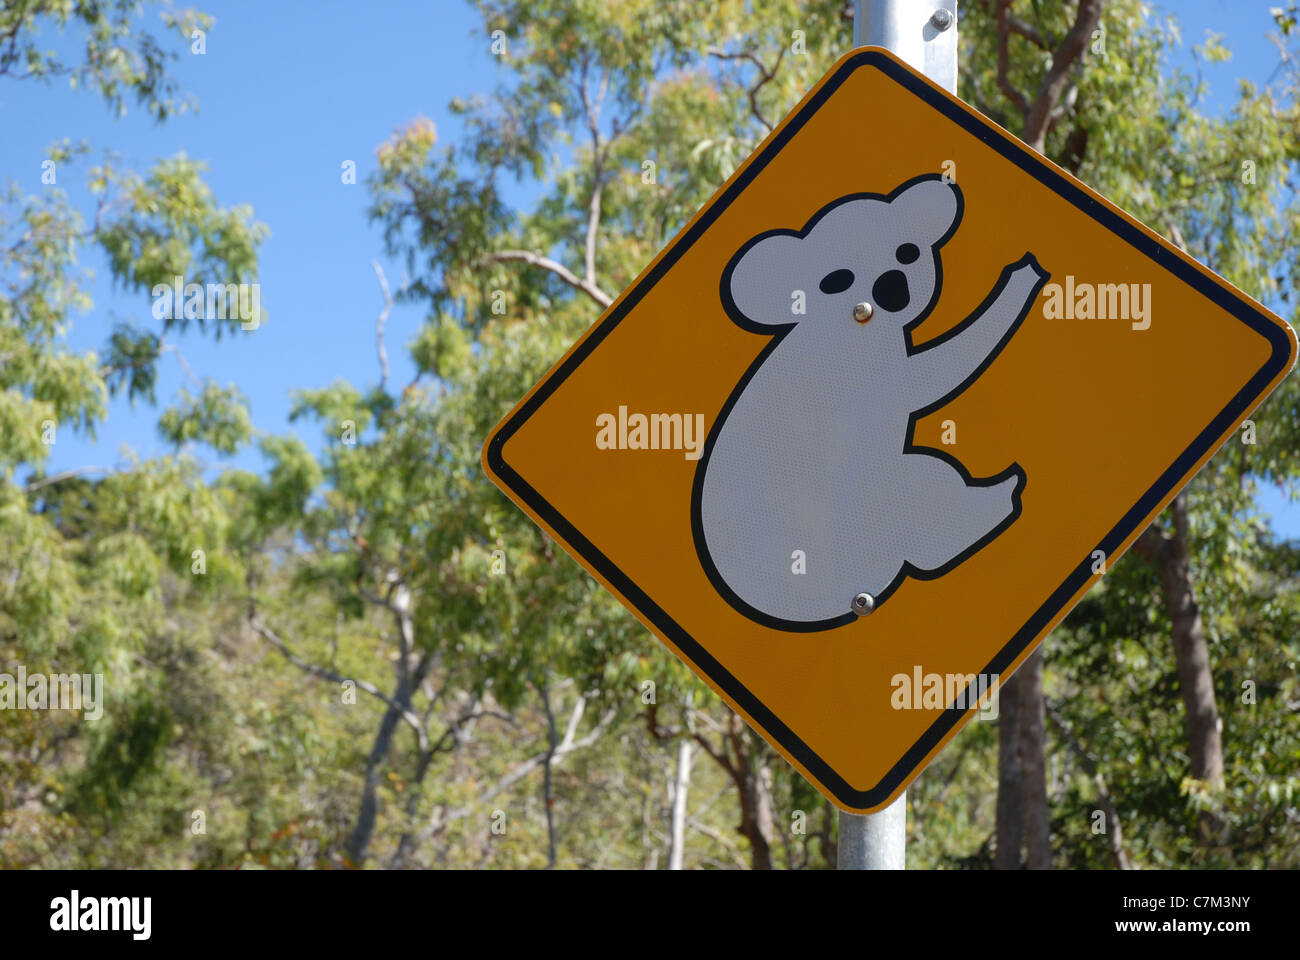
[
  {"x": 862, "y": 312},
  {"x": 863, "y": 604},
  {"x": 942, "y": 19}
]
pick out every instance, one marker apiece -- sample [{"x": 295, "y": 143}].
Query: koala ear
[
  {"x": 927, "y": 209},
  {"x": 761, "y": 280}
]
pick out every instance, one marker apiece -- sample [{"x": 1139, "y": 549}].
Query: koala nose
[{"x": 890, "y": 291}]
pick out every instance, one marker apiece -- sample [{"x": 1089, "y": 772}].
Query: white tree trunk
[{"x": 681, "y": 786}]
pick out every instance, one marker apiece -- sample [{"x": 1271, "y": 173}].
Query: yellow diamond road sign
[{"x": 878, "y": 417}]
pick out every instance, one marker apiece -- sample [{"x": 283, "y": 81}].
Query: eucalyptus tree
[
  {"x": 94, "y": 559},
  {"x": 620, "y": 121},
  {"x": 1217, "y": 187}
]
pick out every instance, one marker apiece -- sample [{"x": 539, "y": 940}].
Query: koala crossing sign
[{"x": 878, "y": 417}]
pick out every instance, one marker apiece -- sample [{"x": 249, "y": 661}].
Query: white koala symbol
[{"x": 813, "y": 450}]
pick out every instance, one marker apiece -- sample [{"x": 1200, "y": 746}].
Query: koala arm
[{"x": 940, "y": 368}]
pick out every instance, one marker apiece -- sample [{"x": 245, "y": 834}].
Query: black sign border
[{"x": 1044, "y": 172}]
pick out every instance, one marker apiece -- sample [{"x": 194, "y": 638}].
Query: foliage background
[{"x": 339, "y": 678}]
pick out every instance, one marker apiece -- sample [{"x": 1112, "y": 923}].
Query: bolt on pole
[
  {"x": 921, "y": 32},
  {"x": 924, "y": 34}
]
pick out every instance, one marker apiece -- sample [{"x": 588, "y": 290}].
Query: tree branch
[
  {"x": 551, "y": 266},
  {"x": 411, "y": 719},
  {"x": 1067, "y": 52},
  {"x": 66, "y": 475},
  {"x": 1003, "y": 16},
  {"x": 765, "y": 76},
  {"x": 552, "y": 738},
  {"x": 592, "y": 113},
  {"x": 522, "y": 770},
  {"x": 1028, "y": 31},
  {"x": 379, "y": 324}
]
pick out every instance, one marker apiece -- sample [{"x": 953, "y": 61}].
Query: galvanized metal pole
[
  {"x": 924, "y": 34},
  {"x": 921, "y": 32},
  {"x": 876, "y": 841}
]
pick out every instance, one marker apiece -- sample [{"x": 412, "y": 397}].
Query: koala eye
[
  {"x": 907, "y": 253},
  {"x": 837, "y": 281}
]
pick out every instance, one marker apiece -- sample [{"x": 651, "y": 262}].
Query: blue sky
[{"x": 287, "y": 92}]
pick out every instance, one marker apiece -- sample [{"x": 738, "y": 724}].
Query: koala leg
[{"x": 951, "y": 516}]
